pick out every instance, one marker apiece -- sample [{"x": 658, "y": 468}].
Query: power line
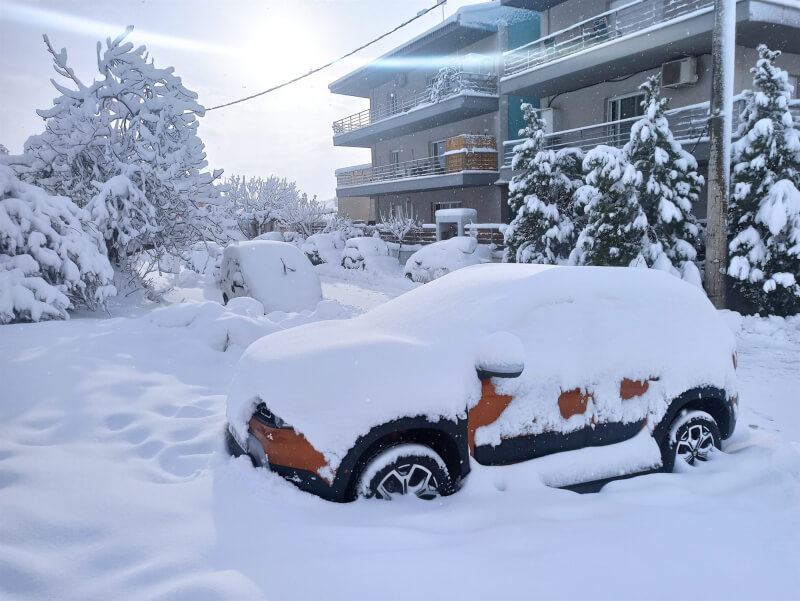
[{"x": 421, "y": 13}]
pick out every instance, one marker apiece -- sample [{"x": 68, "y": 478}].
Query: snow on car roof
[{"x": 416, "y": 355}]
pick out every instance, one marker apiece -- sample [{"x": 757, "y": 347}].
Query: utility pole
[{"x": 719, "y": 161}]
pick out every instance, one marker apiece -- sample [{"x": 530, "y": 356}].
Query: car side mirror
[{"x": 500, "y": 355}]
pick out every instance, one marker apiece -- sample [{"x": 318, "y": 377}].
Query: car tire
[
  {"x": 692, "y": 438},
  {"x": 406, "y": 469}
]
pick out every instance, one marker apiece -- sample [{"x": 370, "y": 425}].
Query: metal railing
[
  {"x": 688, "y": 124},
  {"x": 602, "y": 28},
  {"x": 417, "y": 168},
  {"x": 463, "y": 82}
]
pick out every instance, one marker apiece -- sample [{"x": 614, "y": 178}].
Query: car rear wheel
[
  {"x": 692, "y": 439},
  {"x": 406, "y": 470}
]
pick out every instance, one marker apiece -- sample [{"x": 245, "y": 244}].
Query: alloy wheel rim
[
  {"x": 695, "y": 444},
  {"x": 410, "y": 479}
]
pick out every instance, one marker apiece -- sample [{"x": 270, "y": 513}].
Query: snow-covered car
[
  {"x": 358, "y": 251},
  {"x": 324, "y": 248},
  {"x": 440, "y": 258},
  {"x": 273, "y": 236},
  {"x": 275, "y": 273},
  {"x": 205, "y": 256},
  {"x": 591, "y": 373}
]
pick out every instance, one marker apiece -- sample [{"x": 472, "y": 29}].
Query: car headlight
[{"x": 266, "y": 417}]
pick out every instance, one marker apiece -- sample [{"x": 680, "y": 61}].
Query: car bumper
[{"x": 305, "y": 480}]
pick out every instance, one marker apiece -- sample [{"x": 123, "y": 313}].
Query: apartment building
[{"x": 444, "y": 138}]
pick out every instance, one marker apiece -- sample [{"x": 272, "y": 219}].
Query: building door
[
  {"x": 622, "y": 112},
  {"x": 437, "y": 153}
]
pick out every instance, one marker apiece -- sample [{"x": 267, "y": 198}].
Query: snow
[
  {"x": 440, "y": 258},
  {"x": 324, "y": 248},
  {"x": 276, "y": 273},
  {"x": 435, "y": 335},
  {"x": 114, "y": 484},
  {"x": 360, "y": 251}
]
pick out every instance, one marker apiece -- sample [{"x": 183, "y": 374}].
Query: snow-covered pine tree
[
  {"x": 670, "y": 185},
  {"x": 50, "y": 259},
  {"x": 542, "y": 230},
  {"x": 764, "y": 209},
  {"x": 616, "y": 224},
  {"x": 135, "y": 121}
]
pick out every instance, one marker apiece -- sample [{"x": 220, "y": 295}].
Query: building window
[
  {"x": 437, "y": 152},
  {"x": 794, "y": 80},
  {"x": 620, "y": 108}
]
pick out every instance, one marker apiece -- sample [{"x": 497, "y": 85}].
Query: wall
[{"x": 358, "y": 208}]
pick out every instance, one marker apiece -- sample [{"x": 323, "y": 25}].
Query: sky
[{"x": 222, "y": 51}]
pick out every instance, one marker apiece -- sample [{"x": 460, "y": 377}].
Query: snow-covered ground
[{"x": 114, "y": 483}]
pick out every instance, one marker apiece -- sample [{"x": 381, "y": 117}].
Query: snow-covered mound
[
  {"x": 275, "y": 273},
  {"x": 440, "y": 258},
  {"x": 417, "y": 355},
  {"x": 324, "y": 248},
  {"x": 205, "y": 256},
  {"x": 358, "y": 251}
]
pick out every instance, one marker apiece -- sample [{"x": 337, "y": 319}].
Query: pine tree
[
  {"x": 669, "y": 186},
  {"x": 616, "y": 224},
  {"x": 542, "y": 230},
  {"x": 138, "y": 122},
  {"x": 764, "y": 209}
]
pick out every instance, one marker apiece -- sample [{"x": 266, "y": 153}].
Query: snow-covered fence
[{"x": 486, "y": 233}]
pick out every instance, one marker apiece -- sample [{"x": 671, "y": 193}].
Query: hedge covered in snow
[{"x": 50, "y": 261}]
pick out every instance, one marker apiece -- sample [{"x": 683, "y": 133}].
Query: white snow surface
[
  {"x": 417, "y": 354},
  {"x": 114, "y": 484}
]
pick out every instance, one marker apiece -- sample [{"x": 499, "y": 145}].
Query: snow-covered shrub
[
  {"x": 540, "y": 195},
  {"x": 669, "y": 187},
  {"x": 399, "y": 225},
  {"x": 127, "y": 145},
  {"x": 445, "y": 83},
  {"x": 616, "y": 224},
  {"x": 50, "y": 260},
  {"x": 274, "y": 236},
  {"x": 357, "y": 251},
  {"x": 764, "y": 209},
  {"x": 345, "y": 226},
  {"x": 440, "y": 258},
  {"x": 324, "y": 248},
  {"x": 275, "y": 273}
]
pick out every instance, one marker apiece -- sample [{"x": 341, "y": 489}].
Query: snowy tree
[
  {"x": 345, "y": 226},
  {"x": 616, "y": 224},
  {"x": 3, "y": 150},
  {"x": 50, "y": 260},
  {"x": 542, "y": 230},
  {"x": 764, "y": 209},
  {"x": 399, "y": 224},
  {"x": 135, "y": 121},
  {"x": 256, "y": 203},
  {"x": 302, "y": 215},
  {"x": 669, "y": 187}
]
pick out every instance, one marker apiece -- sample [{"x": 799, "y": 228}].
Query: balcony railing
[
  {"x": 461, "y": 83},
  {"x": 616, "y": 23},
  {"x": 688, "y": 125},
  {"x": 463, "y": 153}
]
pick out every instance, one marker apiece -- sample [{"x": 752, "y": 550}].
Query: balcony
[
  {"x": 462, "y": 96},
  {"x": 635, "y": 37},
  {"x": 688, "y": 125},
  {"x": 469, "y": 160}
]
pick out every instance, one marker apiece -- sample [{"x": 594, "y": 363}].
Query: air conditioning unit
[
  {"x": 550, "y": 116},
  {"x": 400, "y": 80},
  {"x": 682, "y": 72}
]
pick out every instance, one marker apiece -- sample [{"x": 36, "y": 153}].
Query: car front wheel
[
  {"x": 406, "y": 469},
  {"x": 692, "y": 438}
]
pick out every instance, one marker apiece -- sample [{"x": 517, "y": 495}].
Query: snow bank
[
  {"x": 240, "y": 322},
  {"x": 440, "y": 258},
  {"x": 581, "y": 327},
  {"x": 276, "y": 273}
]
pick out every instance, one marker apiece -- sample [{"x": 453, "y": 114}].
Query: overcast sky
[{"x": 222, "y": 51}]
